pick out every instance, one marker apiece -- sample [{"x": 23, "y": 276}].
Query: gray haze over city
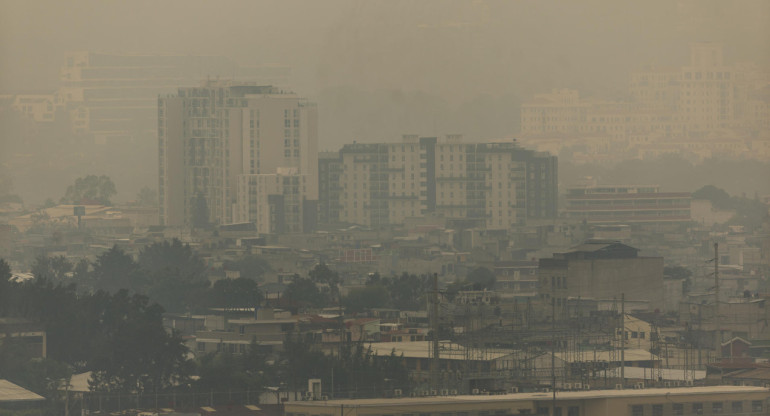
[
  {"x": 376, "y": 69},
  {"x": 385, "y": 208}
]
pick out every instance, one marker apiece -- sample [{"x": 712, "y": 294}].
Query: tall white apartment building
[{"x": 209, "y": 136}]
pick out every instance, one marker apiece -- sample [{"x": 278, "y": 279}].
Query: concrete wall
[{"x": 639, "y": 278}]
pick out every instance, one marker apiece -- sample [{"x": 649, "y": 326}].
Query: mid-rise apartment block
[
  {"x": 215, "y": 138},
  {"x": 491, "y": 185}
]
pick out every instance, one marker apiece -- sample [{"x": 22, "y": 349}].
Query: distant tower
[{"x": 211, "y": 137}]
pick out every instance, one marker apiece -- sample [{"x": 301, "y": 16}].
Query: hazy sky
[
  {"x": 455, "y": 49},
  {"x": 377, "y": 69}
]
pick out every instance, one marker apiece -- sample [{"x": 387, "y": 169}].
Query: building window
[
  {"x": 657, "y": 410},
  {"x": 716, "y": 408},
  {"x": 737, "y": 407},
  {"x": 756, "y": 406},
  {"x": 637, "y": 410},
  {"x": 573, "y": 411},
  {"x": 201, "y": 347},
  {"x": 697, "y": 408},
  {"x": 677, "y": 409}
]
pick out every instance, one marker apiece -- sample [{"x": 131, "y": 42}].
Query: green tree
[
  {"x": 250, "y": 266},
  {"x": 321, "y": 273},
  {"x": 719, "y": 197},
  {"x": 135, "y": 353},
  {"x": 226, "y": 371},
  {"x": 6, "y": 287},
  {"x": 407, "y": 291},
  {"x": 114, "y": 270},
  {"x": 481, "y": 278},
  {"x": 81, "y": 272},
  {"x": 90, "y": 188},
  {"x": 176, "y": 275},
  {"x": 367, "y": 297},
  {"x": 163, "y": 256},
  {"x": 234, "y": 293},
  {"x": 304, "y": 293},
  {"x": 55, "y": 268}
]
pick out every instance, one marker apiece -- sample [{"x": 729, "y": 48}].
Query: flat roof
[
  {"x": 630, "y": 354},
  {"x": 447, "y": 350},
  {"x": 567, "y": 395},
  {"x": 252, "y": 321}
]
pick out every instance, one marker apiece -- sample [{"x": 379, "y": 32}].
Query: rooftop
[
  {"x": 10, "y": 392},
  {"x": 567, "y": 395},
  {"x": 447, "y": 350}
]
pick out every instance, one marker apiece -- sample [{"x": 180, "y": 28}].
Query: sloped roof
[
  {"x": 591, "y": 246},
  {"x": 10, "y": 392},
  {"x": 753, "y": 374}
]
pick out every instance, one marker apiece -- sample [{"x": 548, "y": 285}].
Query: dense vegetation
[{"x": 105, "y": 317}]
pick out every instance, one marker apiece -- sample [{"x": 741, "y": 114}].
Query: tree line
[{"x": 106, "y": 316}]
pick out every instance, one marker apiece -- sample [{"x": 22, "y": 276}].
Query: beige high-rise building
[
  {"x": 700, "y": 100},
  {"x": 210, "y": 135}
]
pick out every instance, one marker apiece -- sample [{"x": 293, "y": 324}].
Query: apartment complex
[
  {"x": 215, "y": 140},
  {"x": 600, "y": 270},
  {"x": 627, "y": 205},
  {"x": 704, "y": 108},
  {"x": 114, "y": 96},
  {"x": 491, "y": 185}
]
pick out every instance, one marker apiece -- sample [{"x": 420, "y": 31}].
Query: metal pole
[
  {"x": 553, "y": 355},
  {"x": 434, "y": 366},
  {"x": 623, "y": 340},
  {"x": 716, "y": 302}
]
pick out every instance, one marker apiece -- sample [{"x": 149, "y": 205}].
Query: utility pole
[
  {"x": 553, "y": 355},
  {"x": 718, "y": 334},
  {"x": 623, "y": 340},
  {"x": 434, "y": 364}
]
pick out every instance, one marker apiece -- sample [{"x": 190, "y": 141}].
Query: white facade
[
  {"x": 210, "y": 135},
  {"x": 273, "y": 202}
]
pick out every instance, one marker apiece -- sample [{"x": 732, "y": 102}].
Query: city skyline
[{"x": 385, "y": 208}]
